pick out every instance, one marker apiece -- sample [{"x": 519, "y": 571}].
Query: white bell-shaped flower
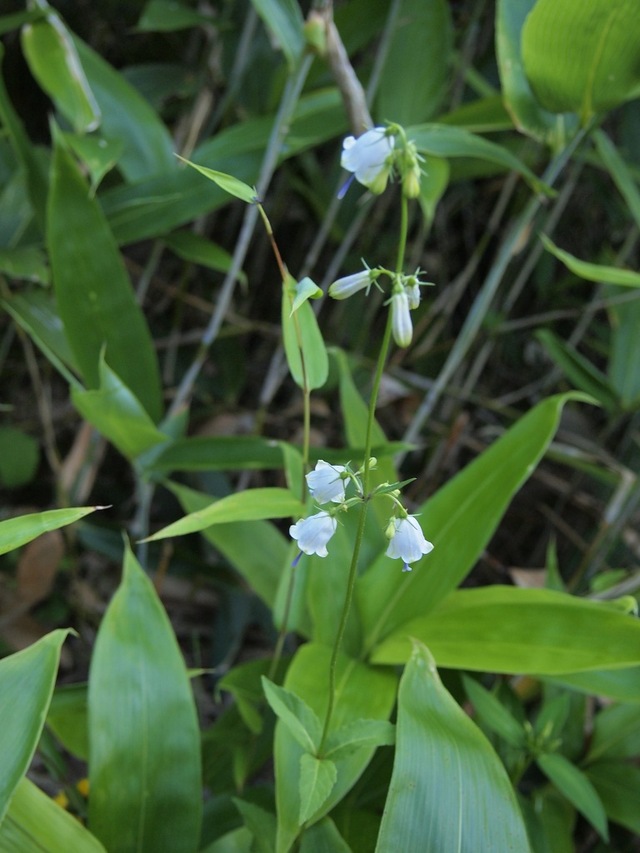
[
  {"x": 369, "y": 157},
  {"x": 407, "y": 542},
  {"x": 313, "y": 533},
  {"x": 326, "y": 483}
]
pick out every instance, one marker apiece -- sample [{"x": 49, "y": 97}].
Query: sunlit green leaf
[
  {"x": 445, "y": 763},
  {"x": 228, "y": 183},
  {"x": 15, "y": 532}
]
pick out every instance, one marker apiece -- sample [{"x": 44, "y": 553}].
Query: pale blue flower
[
  {"x": 326, "y": 483},
  {"x": 313, "y": 533},
  {"x": 407, "y": 543}
]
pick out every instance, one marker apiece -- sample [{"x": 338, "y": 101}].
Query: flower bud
[
  {"x": 400, "y": 318},
  {"x": 411, "y": 182},
  {"x": 350, "y": 284}
]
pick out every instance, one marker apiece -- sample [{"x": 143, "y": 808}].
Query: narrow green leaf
[
  {"x": 449, "y": 790},
  {"x": 474, "y": 502},
  {"x": 54, "y": 62},
  {"x": 494, "y": 714},
  {"x": 578, "y": 369},
  {"x": 528, "y": 116},
  {"x": 592, "y": 272},
  {"x": 317, "y": 780},
  {"x": 228, "y": 183},
  {"x": 26, "y": 683},
  {"x": 620, "y": 684},
  {"x": 620, "y": 173},
  {"x": 576, "y": 788},
  {"x": 143, "y": 728},
  {"x": 510, "y": 629},
  {"x": 441, "y": 140},
  {"x": 303, "y": 342},
  {"x": 99, "y": 155},
  {"x": 95, "y": 300},
  {"x": 283, "y": 19},
  {"x": 116, "y": 413},
  {"x": 252, "y": 505},
  {"x": 617, "y": 784},
  {"x": 416, "y": 70},
  {"x": 35, "y": 823},
  {"x": 581, "y": 56},
  {"x": 297, "y": 716},
  {"x": 15, "y": 532}
]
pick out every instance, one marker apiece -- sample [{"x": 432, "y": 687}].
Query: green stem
[{"x": 353, "y": 569}]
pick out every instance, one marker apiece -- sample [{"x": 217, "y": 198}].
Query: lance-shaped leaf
[
  {"x": 303, "y": 342},
  {"x": 575, "y": 786},
  {"x": 144, "y": 739},
  {"x": 15, "y": 532},
  {"x": 592, "y": 272},
  {"x": 252, "y": 505},
  {"x": 297, "y": 716},
  {"x": 449, "y": 790},
  {"x": 26, "y": 684},
  {"x": 228, "y": 183}
]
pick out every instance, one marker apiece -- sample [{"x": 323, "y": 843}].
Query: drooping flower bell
[
  {"x": 313, "y": 533},
  {"x": 370, "y": 158},
  {"x": 406, "y": 541},
  {"x": 326, "y": 482}
]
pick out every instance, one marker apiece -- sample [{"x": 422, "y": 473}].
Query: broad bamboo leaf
[
  {"x": 35, "y": 823},
  {"x": 252, "y": 505},
  {"x": 449, "y": 790},
  {"x": 15, "y": 532},
  {"x": 581, "y": 56},
  {"x": 362, "y": 692},
  {"x": 510, "y": 629},
  {"x": 528, "y": 116},
  {"x": 54, "y": 62},
  {"x": 459, "y": 519},
  {"x": 416, "y": 69},
  {"x": 116, "y": 413},
  {"x": 26, "y": 683},
  {"x": 95, "y": 299},
  {"x": 575, "y": 786},
  {"x": 143, "y": 728}
]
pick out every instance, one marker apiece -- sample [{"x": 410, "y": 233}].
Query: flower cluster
[
  {"x": 377, "y": 155},
  {"x": 405, "y": 296},
  {"x": 327, "y": 484}
]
